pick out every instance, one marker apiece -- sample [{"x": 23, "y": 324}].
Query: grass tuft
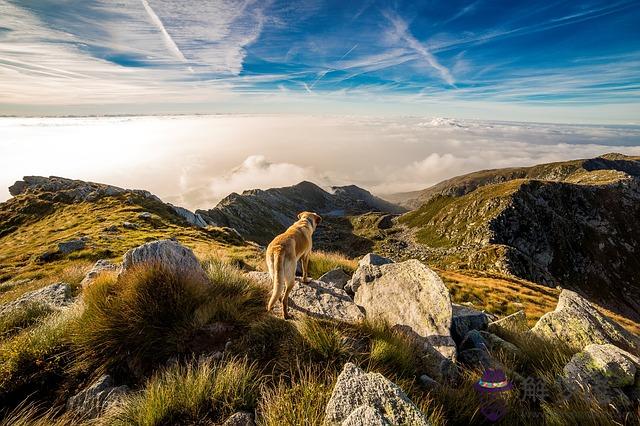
[
  {"x": 21, "y": 318},
  {"x": 321, "y": 262}
]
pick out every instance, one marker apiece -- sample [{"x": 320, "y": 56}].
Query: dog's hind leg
[
  {"x": 277, "y": 277},
  {"x": 285, "y": 298}
]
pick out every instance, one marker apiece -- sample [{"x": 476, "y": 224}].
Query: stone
[
  {"x": 317, "y": 299},
  {"x": 191, "y": 218},
  {"x": 54, "y": 296},
  {"x": 366, "y": 272},
  {"x": 365, "y": 415},
  {"x": 409, "y": 294},
  {"x": 474, "y": 351},
  {"x": 145, "y": 215},
  {"x": 374, "y": 259},
  {"x": 336, "y": 277},
  {"x": 355, "y": 389},
  {"x": 428, "y": 382},
  {"x": 606, "y": 372},
  {"x": 71, "y": 246},
  {"x": 102, "y": 265},
  {"x": 97, "y": 398},
  {"x": 129, "y": 225},
  {"x": 514, "y": 323},
  {"x": 497, "y": 344},
  {"x": 168, "y": 253},
  {"x": 578, "y": 324},
  {"x": 112, "y": 229},
  {"x": 465, "y": 319},
  {"x": 241, "y": 418}
]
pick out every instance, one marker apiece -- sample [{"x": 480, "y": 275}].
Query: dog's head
[{"x": 314, "y": 218}]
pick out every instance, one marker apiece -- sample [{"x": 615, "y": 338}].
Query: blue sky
[{"x": 507, "y": 60}]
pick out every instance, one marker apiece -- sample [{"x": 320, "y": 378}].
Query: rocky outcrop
[
  {"x": 465, "y": 319},
  {"x": 258, "y": 214},
  {"x": 97, "y": 398},
  {"x": 358, "y": 396},
  {"x": 336, "y": 277},
  {"x": 578, "y": 324},
  {"x": 409, "y": 294},
  {"x": 366, "y": 272},
  {"x": 54, "y": 296},
  {"x": 606, "y": 373},
  {"x": 167, "y": 253},
  {"x": 317, "y": 299},
  {"x": 191, "y": 218},
  {"x": 102, "y": 265}
]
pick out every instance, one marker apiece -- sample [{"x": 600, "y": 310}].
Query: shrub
[
  {"x": 321, "y": 262},
  {"x": 191, "y": 393}
]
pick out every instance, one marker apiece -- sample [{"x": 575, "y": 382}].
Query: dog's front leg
[{"x": 305, "y": 268}]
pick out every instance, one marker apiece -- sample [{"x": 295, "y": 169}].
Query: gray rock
[
  {"x": 497, "y": 344},
  {"x": 129, "y": 225},
  {"x": 112, "y": 229},
  {"x": 578, "y": 324},
  {"x": 474, "y": 351},
  {"x": 145, "y": 215},
  {"x": 168, "y": 253},
  {"x": 514, "y": 323},
  {"x": 374, "y": 259},
  {"x": 100, "y": 266},
  {"x": 410, "y": 294},
  {"x": 317, "y": 299},
  {"x": 428, "y": 382},
  {"x": 365, "y": 415},
  {"x": 366, "y": 272},
  {"x": 70, "y": 246},
  {"x": 97, "y": 398},
  {"x": 465, "y": 319},
  {"x": 241, "y": 418},
  {"x": 54, "y": 296},
  {"x": 355, "y": 389},
  {"x": 606, "y": 372},
  {"x": 336, "y": 277},
  {"x": 194, "y": 219}
]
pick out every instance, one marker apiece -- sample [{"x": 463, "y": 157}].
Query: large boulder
[
  {"x": 578, "y": 324},
  {"x": 336, "y": 277},
  {"x": 410, "y": 295},
  {"x": 464, "y": 319},
  {"x": 54, "y": 296},
  {"x": 367, "y": 270},
  {"x": 168, "y": 253},
  {"x": 97, "y": 398},
  {"x": 606, "y": 372},
  {"x": 317, "y": 299},
  {"x": 358, "y": 395}
]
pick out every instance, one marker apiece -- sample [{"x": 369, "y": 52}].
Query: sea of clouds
[{"x": 195, "y": 161}]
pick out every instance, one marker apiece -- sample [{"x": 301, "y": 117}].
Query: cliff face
[
  {"x": 258, "y": 215},
  {"x": 581, "y": 232}
]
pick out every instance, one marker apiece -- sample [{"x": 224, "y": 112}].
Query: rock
[
  {"x": 168, "y": 253},
  {"x": 48, "y": 256},
  {"x": 578, "y": 324},
  {"x": 355, "y": 389},
  {"x": 412, "y": 295},
  {"x": 70, "y": 246},
  {"x": 145, "y": 215},
  {"x": 606, "y": 372},
  {"x": 336, "y": 277},
  {"x": 514, "y": 323},
  {"x": 97, "y": 398},
  {"x": 100, "y": 266},
  {"x": 365, "y": 415},
  {"x": 374, "y": 259},
  {"x": 241, "y": 418},
  {"x": 54, "y": 296},
  {"x": 474, "y": 351},
  {"x": 497, "y": 344},
  {"x": 111, "y": 229},
  {"x": 129, "y": 225},
  {"x": 194, "y": 219},
  {"x": 428, "y": 382},
  {"x": 317, "y": 299},
  {"x": 465, "y": 319}
]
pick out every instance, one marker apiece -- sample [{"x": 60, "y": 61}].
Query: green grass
[
  {"x": 197, "y": 392},
  {"x": 322, "y": 262},
  {"x": 19, "y": 319}
]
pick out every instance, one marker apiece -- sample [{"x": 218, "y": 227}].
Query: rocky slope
[
  {"x": 578, "y": 228},
  {"x": 258, "y": 214}
]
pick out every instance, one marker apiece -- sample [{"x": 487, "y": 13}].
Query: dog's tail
[{"x": 278, "y": 279}]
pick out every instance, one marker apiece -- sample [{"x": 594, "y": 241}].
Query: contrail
[
  {"x": 322, "y": 74},
  {"x": 168, "y": 41}
]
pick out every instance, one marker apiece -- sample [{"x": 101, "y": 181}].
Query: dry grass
[
  {"x": 322, "y": 262},
  {"x": 24, "y": 317}
]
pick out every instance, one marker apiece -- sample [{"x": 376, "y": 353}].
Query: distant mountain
[
  {"x": 258, "y": 214},
  {"x": 570, "y": 171},
  {"x": 574, "y": 224}
]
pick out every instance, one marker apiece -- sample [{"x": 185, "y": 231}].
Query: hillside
[
  {"x": 577, "y": 231},
  {"x": 258, "y": 215}
]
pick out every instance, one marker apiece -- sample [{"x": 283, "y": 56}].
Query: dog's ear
[
  {"x": 317, "y": 218},
  {"x": 300, "y": 215}
]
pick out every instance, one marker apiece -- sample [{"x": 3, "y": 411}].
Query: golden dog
[{"x": 283, "y": 254}]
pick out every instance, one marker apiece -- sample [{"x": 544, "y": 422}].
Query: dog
[{"x": 283, "y": 254}]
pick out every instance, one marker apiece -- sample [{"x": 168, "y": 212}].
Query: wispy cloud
[{"x": 171, "y": 45}]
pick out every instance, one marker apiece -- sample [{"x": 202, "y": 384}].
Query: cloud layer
[{"x": 197, "y": 160}]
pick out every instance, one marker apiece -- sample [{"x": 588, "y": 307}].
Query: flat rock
[
  {"x": 317, "y": 299},
  {"x": 54, "y": 296},
  {"x": 409, "y": 294},
  {"x": 465, "y": 319},
  {"x": 578, "y": 324},
  {"x": 370, "y": 395},
  {"x": 97, "y": 398},
  {"x": 168, "y": 253},
  {"x": 606, "y": 372},
  {"x": 336, "y": 277}
]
